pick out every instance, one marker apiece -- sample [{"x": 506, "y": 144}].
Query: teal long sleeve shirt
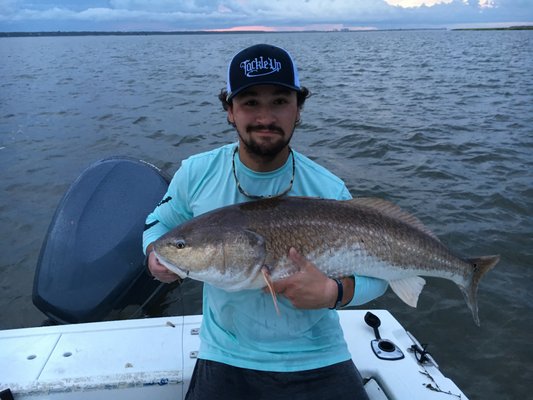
[{"x": 242, "y": 328}]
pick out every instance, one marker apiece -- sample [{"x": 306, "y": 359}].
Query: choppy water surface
[{"x": 439, "y": 122}]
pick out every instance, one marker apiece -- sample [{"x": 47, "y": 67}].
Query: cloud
[
  {"x": 416, "y": 3},
  {"x": 165, "y": 6},
  {"x": 271, "y": 14},
  {"x": 207, "y": 12},
  {"x": 245, "y": 28},
  {"x": 487, "y": 4}
]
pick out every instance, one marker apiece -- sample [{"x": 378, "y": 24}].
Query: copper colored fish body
[{"x": 228, "y": 247}]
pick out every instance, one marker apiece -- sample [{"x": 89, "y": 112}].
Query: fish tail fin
[
  {"x": 480, "y": 266},
  {"x": 268, "y": 281}
]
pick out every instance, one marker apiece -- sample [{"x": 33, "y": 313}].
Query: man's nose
[{"x": 265, "y": 115}]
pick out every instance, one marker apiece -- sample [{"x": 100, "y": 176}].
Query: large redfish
[{"x": 230, "y": 247}]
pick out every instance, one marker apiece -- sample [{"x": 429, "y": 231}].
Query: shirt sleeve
[
  {"x": 345, "y": 194},
  {"x": 367, "y": 289},
  {"x": 171, "y": 211}
]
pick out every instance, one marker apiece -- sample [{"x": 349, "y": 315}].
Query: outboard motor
[{"x": 91, "y": 261}]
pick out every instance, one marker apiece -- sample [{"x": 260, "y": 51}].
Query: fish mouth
[{"x": 182, "y": 273}]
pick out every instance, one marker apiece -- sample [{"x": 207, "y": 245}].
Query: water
[{"x": 438, "y": 122}]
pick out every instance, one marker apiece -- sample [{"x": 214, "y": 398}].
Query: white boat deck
[{"x": 154, "y": 358}]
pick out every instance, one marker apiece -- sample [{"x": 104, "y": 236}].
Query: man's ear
[{"x": 231, "y": 119}]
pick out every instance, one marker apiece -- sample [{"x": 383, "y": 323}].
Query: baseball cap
[{"x": 261, "y": 64}]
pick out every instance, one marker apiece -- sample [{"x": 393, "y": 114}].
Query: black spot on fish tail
[{"x": 480, "y": 266}]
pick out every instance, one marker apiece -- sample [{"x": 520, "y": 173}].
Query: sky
[{"x": 268, "y": 15}]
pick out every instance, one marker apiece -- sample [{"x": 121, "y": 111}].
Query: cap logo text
[{"x": 260, "y": 66}]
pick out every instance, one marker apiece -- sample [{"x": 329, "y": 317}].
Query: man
[{"x": 247, "y": 350}]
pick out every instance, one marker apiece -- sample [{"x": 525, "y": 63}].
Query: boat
[
  {"x": 153, "y": 358},
  {"x": 96, "y": 232}
]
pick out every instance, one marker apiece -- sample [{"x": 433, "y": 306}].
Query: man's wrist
[
  {"x": 340, "y": 293},
  {"x": 344, "y": 290},
  {"x": 349, "y": 290}
]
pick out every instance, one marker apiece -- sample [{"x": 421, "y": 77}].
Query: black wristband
[{"x": 340, "y": 293}]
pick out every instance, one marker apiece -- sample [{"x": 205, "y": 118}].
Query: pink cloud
[{"x": 245, "y": 28}]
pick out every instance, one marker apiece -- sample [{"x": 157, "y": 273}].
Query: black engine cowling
[{"x": 91, "y": 261}]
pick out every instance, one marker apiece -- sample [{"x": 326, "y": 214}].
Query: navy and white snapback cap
[{"x": 261, "y": 64}]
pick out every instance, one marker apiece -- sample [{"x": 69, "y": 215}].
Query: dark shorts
[{"x": 212, "y": 381}]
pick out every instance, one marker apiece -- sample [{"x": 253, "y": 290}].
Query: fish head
[{"x": 230, "y": 259}]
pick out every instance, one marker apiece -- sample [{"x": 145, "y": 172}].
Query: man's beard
[{"x": 267, "y": 150}]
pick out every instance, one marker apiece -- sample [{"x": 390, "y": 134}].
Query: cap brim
[{"x": 235, "y": 93}]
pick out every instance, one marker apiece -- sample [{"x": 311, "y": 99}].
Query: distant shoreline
[
  {"x": 167, "y": 33},
  {"x": 510, "y": 28},
  {"x": 116, "y": 33},
  {"x": 150, "y": 33}
]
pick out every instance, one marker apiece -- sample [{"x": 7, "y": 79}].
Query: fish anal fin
[
  {"x": 393, "y": 211},
  {"x": 408, "y": 289}
]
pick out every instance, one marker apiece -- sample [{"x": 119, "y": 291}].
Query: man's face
[{"x": 265, "y": 117}]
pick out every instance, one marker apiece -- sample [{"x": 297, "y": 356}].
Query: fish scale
[
  {"x": 229, "y": 247},
  {"x": 358, "y": 226}
]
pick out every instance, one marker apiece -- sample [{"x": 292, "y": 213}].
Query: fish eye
[{"x": 180, "y": 244}]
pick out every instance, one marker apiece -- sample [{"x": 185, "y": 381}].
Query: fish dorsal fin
[
  {"x": 393, "y": 211},
  {"x": 408, "y": 289}
]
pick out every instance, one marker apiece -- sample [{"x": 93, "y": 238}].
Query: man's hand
[
  {"x": 159, "y": 271},
  {"x": 309, "y": 288}
]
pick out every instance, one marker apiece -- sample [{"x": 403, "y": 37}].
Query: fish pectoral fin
[
  {"x": 408, "y": 289},
  {"x": 268, "y": 280}
]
